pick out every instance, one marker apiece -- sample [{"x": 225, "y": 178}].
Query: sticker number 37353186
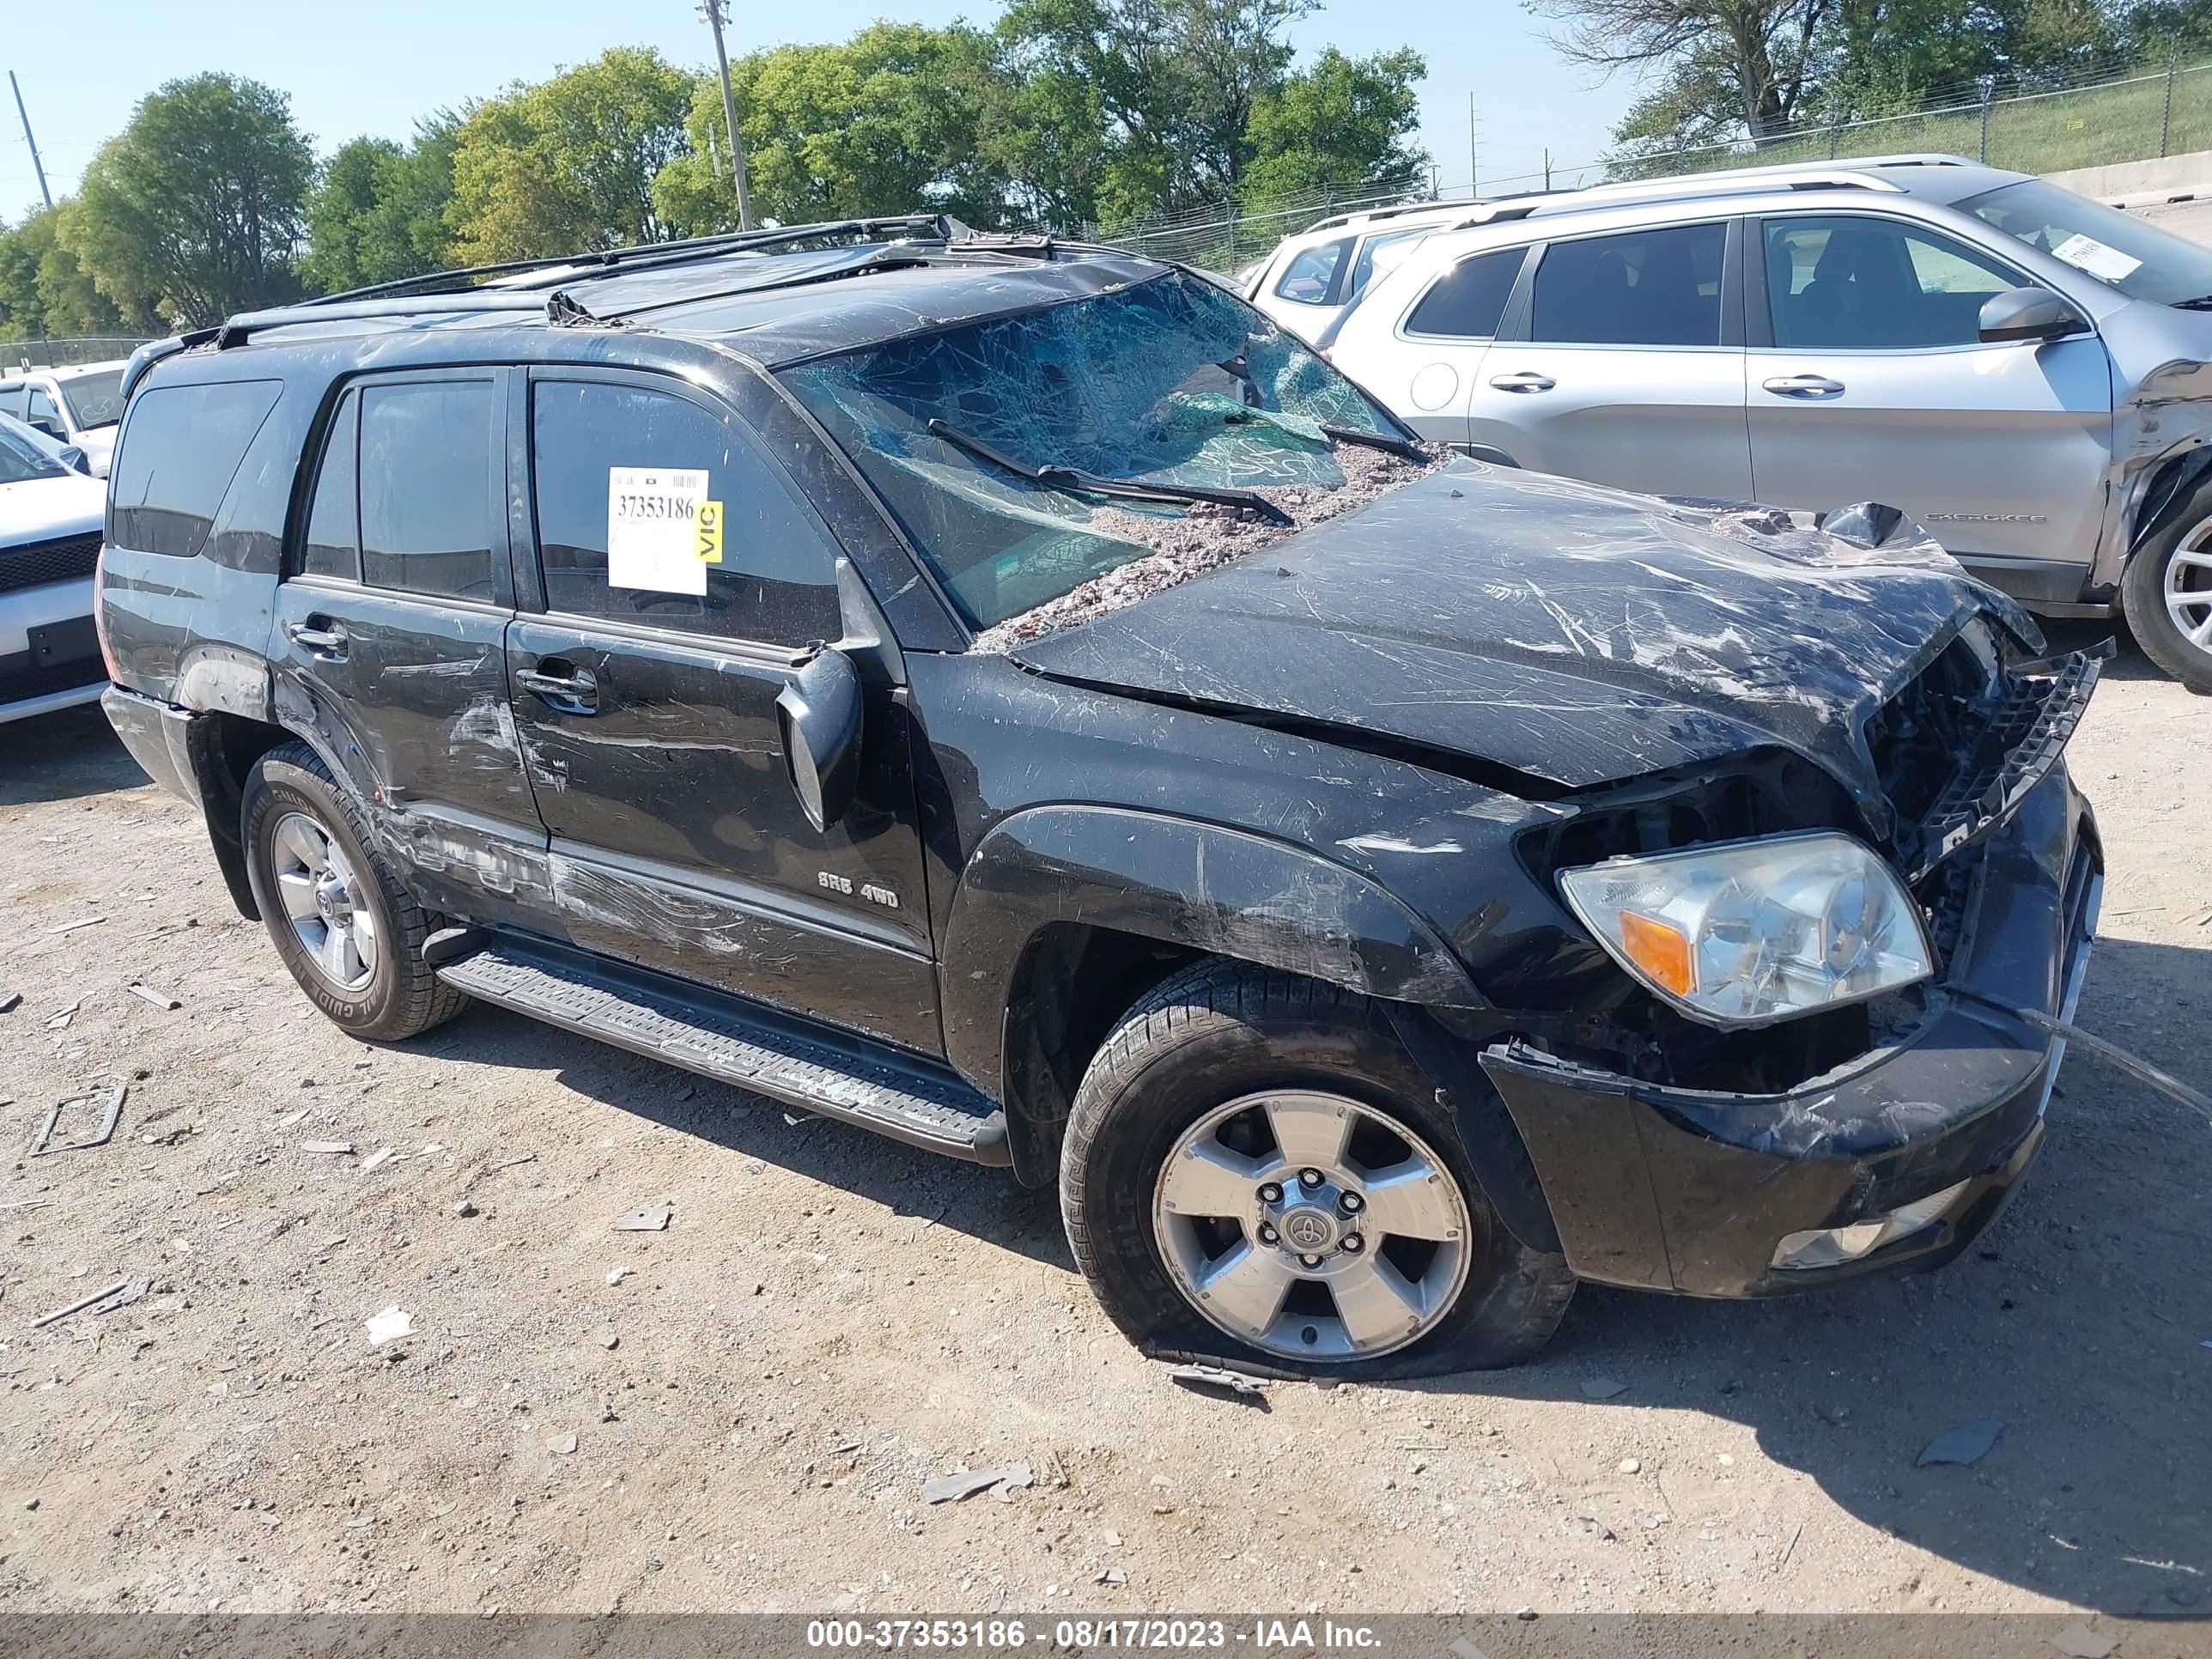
[{"x": 662, "y": 532}]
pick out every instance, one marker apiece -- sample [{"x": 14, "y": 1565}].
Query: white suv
[
  {"x": 79, "y": 405},
  {"x": 1312, "y": 278},
  {"x": 2027, "y": 372}
]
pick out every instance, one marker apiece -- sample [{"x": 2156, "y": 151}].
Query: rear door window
[
  {"x": 1468, "y": 300},
  {"x": 333, "y": 544},
  {"x": 1311, "y": 277},
  {"x": 430, "y": 494},
  {"x": 1648, "y": 287},
  {"x": 616, "y": 467},
  {"x": 180, "y": 449}
]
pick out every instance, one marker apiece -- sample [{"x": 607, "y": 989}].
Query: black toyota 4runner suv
[{"x": 1010, "y": 696}]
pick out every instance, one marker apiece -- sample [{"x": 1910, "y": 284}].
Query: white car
[
  {"x": 1312, "y": 278},
  {"x": 80, "y": 405},
  {"x": 51, "y": 519}
]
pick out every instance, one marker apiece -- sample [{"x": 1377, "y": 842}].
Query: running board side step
[{"x": 740, "y": 1042}]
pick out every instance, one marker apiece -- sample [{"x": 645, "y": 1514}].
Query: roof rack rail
[
  {"x": 242, "y": 327},
  {"x": 643, "y": 256}
]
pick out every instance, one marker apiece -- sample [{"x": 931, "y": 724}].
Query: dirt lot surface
[{"x": 740, "y": 1412}]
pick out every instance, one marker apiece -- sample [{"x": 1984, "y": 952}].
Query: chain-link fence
[
  {"x": 2098, "y": 118},
  {"x": 65, "y": 353}
]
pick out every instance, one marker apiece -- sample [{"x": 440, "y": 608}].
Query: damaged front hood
[{"x": 1574, "y": 633}]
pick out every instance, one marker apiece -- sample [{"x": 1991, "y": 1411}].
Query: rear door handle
[
  {"x": 1526, "y": 380},
  {"x": 318, "y": 637},
  {"x": 1803, "y": 386},
  {"x": 571, "y": 690}
]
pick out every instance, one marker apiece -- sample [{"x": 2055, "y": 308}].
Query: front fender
[{"x": 1227, "y": 892}]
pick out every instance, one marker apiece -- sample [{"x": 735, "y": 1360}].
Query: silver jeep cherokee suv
[{"x": 2027, "y": 372}]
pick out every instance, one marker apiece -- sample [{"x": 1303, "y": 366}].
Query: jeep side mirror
[
  {"x": 818, "y": 715},
  {"x": 75, "y": 459},
  {"x": 2029, "y": 314}
]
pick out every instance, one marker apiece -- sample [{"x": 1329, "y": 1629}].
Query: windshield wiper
[
  {"x": 2202, "y": 302},
  {"x": 1382, "y": 441},
  {"x": 1091, "y": 484}
]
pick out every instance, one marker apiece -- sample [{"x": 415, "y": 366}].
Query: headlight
[{"x": 1749, "y": 931}]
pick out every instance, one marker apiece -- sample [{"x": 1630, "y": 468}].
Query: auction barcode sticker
[{"x": 651, "y": 540}]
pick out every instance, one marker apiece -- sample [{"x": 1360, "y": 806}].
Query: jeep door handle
[
  {"x": 573, "y": 691},
  {"x": 1526, "y": 380},
  {"x": 318, "y": 637},
  {"x": 1803, "y": 386}
]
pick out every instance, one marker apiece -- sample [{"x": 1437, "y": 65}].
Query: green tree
[
  {"x": 1721, "y": 61},
  {"x": 43, "y": 291},
  {"x": 569, "y": 165},
  {"x": 379, "y": 213},
  {"x": 1174, "y": 82},
  {"x": 1340, "y": 120},
  {"x": 883, "y": 123},
  {"x": 200, "y": 202}
]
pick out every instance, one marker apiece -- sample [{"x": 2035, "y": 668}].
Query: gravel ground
[{"x": 740, "y": 1412}]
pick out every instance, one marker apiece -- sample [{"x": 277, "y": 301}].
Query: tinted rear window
[
  {"x": 1469, "y": 301},
  {"x": 178, "y": 455},
  {"x": 1660, "y": 288},
  {"x": 428, "y": 490}
]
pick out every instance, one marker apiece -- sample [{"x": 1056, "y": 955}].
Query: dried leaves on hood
[{"x": 1200, "y": 539}]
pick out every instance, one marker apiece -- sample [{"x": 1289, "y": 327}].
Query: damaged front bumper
[{"x": 1898, "y": 1160}]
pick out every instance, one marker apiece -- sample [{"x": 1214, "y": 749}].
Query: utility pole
[
  {"x": 23, "y": 115},
  {"x": 713, "y": 11},
  {"x": 1473, "y": 162}
]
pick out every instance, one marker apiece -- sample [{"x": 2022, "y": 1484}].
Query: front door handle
[
  {"x": 1526, "y": 380},
  {"x": 1803, "y": 386},
  {"x": 560, "y": 686},
  {"x": 318, "y": 637}
]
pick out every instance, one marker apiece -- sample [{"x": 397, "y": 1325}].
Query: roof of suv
[
  {"x": 1931, "y": 177},
  {"x": 786, "y": 304}
]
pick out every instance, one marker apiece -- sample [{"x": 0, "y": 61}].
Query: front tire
[
  {"x": 2167, "y": 594},
  {"x": 349, "y": 932},
  {"x": 1256, "y": 1172}
]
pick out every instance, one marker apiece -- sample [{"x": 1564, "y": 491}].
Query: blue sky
[{"x": 356, "y": 66}]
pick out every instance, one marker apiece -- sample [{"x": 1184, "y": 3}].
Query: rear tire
[
  {"x": 1219, "y": 1034},
  {"x": 2166, "y": 592},
  {"x": 317, "y": 880}
]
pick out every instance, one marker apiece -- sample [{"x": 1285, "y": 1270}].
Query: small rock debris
[
  {"x": 2080, "y": 1642},
  {"x": 1967, "y": 1443},
  {"x": 1001, "y": 1480},
  {"x": 389, "y": 1326},
  {"x": 337, "y": 1148}
]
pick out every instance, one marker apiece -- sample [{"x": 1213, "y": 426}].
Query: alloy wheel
[
  {"x": 2187, "y": 588},
  {"x": 1311, "y": 1226},
  {"x": 324, "y": 900}
]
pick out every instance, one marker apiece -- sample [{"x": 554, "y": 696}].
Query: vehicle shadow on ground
[
  {"x": 64, "y": 756},
  {"x": 2127, "y": 663},
  {"x": 987, "y": 1204},
  {"x": 2081, "y": 1319}
]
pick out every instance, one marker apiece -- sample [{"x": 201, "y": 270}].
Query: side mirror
[
  {"x": 75, "y": 459},
  {"x": 50, "y": 427},
  {"x": 2029, "y": 314},
  {"x": 818, "y": 716}
]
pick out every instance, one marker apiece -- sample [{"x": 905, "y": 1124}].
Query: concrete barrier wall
[{"x": 2142, "y": 184}]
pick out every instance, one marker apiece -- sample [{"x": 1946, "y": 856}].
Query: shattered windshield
[{"x": 1170, "y": 382}]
